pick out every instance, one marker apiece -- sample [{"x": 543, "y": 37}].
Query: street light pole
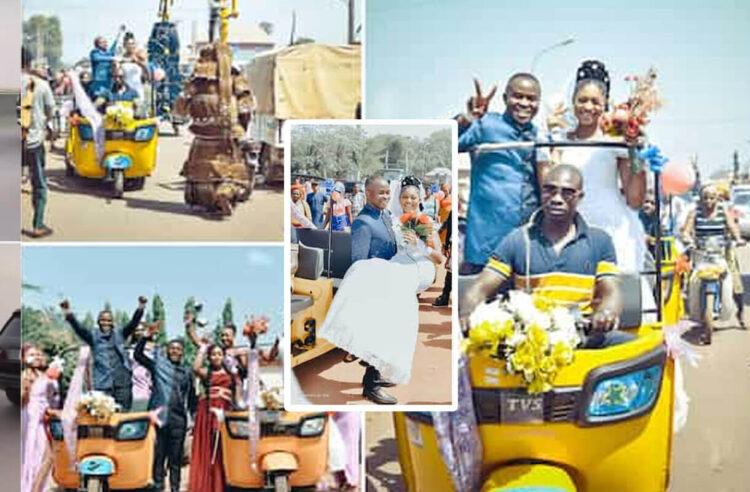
[{"x": 543, "y": 51}]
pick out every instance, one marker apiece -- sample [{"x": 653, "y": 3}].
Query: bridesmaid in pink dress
[{"x": 39, "y": 391}]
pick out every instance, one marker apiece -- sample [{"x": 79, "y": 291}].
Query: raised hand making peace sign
[{"x": 477, "y": 104}]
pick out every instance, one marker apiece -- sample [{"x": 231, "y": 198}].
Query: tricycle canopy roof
[{"x": 307, "y": 81}]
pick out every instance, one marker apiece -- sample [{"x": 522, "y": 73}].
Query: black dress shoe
[
  {"x": 384, "y": 383},
  {"x": 376, "y": 395},
  {"x": 441, "y": 301}
]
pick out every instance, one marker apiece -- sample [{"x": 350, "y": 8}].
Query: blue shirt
[
  {"x": 108, "y": 351},
  {"x": 503, "y": 192},
  {"x": 372, "y": 235},
  {"x": 566, "y": 279},
  {"x": 317, "y": 202},
  {"x": 101, "y": 69}
]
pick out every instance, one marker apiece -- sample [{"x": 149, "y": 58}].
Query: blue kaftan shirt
[{"x": 504, "y": 190}]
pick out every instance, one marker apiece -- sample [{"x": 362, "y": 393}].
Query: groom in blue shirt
[
  {"x": 504, "y": 187},
  {"x": 373, "y": 237}
]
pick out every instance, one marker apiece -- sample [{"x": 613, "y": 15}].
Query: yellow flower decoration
[
  {"x": 562, "y": 354},
  {"x": 538, "y": 337}
]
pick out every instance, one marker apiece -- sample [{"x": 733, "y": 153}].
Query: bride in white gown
[
  {"x": 606, "y": 171},
  {"x": 375, "y": 313}
]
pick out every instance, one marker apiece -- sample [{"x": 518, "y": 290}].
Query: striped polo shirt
[
  {"x": 566, "y": 279},
  {"x": 710, "y": 226}
]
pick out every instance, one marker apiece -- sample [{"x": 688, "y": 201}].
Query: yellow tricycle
[
  {"x": 129, "y": 148},
  {"x": 604, "y": 424},
  {"x": 292, "y": 450},
  {"x": 116, "y": 453}
]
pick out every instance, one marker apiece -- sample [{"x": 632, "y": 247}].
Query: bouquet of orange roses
[
  {"x": 420, "y": 224},
  {"x": 628, "y": 119}
]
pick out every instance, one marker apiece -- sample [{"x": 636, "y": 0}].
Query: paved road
[
  {"x": 81, "y": 210},
  {"x": 333, "y": 381},
  {"x": 10, "y": 439},
  {"x": 712, "y": 451},
  {"x": 10, "y": 169}
]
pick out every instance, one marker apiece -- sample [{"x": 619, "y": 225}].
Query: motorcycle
[{"x": 710, "y": 285}]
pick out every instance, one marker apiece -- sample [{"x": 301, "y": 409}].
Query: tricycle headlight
[
  {"x": 134, "y": 430},
  {"x": 624, "y": 395},
  {"x": 312, "y": 427},
  {"x": 144, "y": 133},
  {"x": 56, "y": 430},
  {"x": 238, "y": 428}
]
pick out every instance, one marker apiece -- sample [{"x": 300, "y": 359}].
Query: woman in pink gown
[{"x": 38, "y": 393}]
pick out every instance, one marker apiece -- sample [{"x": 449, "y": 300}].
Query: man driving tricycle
[{"x": 538, "y": 409}]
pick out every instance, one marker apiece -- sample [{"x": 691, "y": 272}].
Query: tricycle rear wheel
[
  {"x": 69, "y": 170},
  {"x": 134, "y": 184}
]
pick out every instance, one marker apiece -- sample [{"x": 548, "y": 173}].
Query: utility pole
[
  {"x": 736, "y": 168},
  {"x": 294, "y": 25},
  {"x": 351, "y": 21},
  {"x": 386, "y": 157},
  {"x": 696, "y": 170}
]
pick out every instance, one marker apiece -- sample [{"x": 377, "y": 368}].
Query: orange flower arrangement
[
  {"x": 629, "y": 118},
  {"x": 420, "y": 224}
]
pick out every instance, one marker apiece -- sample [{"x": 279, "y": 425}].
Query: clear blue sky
[
  {"x": 91, "y": 275},
  {"x": 422, "y": 55},
  {"x": 82, "y": 20}
]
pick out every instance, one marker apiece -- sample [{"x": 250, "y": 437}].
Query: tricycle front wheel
[
  {"x": 118, "y": 183},
  {"x": 281, "y": 483},
  {"x": 708, "y": 319},
  {"x": 97, "y": 484}
]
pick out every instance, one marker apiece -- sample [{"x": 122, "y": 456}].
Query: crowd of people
[{"x": 128, "y": 365}]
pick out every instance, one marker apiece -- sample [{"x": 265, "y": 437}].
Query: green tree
[
  {"x": 190, "y": 349},
  {"x": 266, "y": 27},
  {"x": 304, "y": 40},
  {"x": 88, "y": 321},
  {"x": 42, "y": 36},
  {"x": 227, "y": 315},
  {"x": 159, "y": 314}
]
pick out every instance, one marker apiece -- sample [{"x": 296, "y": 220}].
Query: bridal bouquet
[
  {"x": 627, "y": 119},
  {"x": 420, "y": 224},
  {"x": 272, "y": 398},
  {"x": 535, "y": 338},
  {"x": 98, "y": 405}
]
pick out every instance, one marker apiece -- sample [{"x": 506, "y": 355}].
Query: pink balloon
[
  {"x": 677, "y": 179},
  {"x": 159, "y": 74}
]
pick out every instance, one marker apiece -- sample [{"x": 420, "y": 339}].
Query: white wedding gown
[
  {"x": 375, "y": 314},
  {"x": 604, "y": 207}
]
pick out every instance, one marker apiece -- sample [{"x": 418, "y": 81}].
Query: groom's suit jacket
[{"x": 372, "y": 235}]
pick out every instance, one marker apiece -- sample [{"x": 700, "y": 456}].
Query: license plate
[
  {"x": 521, "y": 407},
  {"x": 269, "y": 416},
  {"x": 96, "y": 432}
]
